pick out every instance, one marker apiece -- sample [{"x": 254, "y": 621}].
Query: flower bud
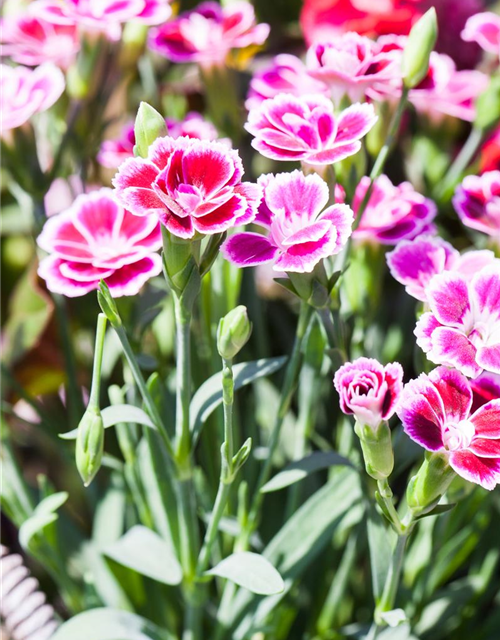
[
  {"x": 108, "y": 305},
  {"x": 418, "y": 49},
  {"x": 376, "y": 445},
  {"x": 488, "y": 106},
  {"x": 89, "y": 444},
  {"x": 149, "y": 125},
  {"x": 432, "y": 480},
  {"x": 233, "y": 332}
]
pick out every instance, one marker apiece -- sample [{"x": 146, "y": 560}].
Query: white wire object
[{"x": 24, "y": 612}]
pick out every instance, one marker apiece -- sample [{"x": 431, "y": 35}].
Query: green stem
[
  {"x": 183, "y": 398},
  {"x": 213, "y": 526},
  {"x": 461, "y": 162},
  {"x": 386, "y": 494},
  {"x": 95, "y": 390}
]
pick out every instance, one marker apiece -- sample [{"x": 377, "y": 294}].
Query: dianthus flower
[
  {"x": 477, "y": 202},
  {"x": 462, "y": 328},
  {"x": 489, "y": 156},
  {"x": 208, "y": 33},
  {"x": 414, "y": 263},
  {"x": 192, "y": 186},
  {"x": 300, "y": 232},
  {"x": 393, "y": 213},
  {"x": 305, "y": 128},
  {"x": 24, "y": 92},
  {"x": 97, "y": 239},
  {"x": 435, "y": 410},
  {"x": 484, "y": 28}
]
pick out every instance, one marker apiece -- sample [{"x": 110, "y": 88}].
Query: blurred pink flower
[
  {"x": 305, "y": 128},
  {"x": 393, "y": 213},
  {"x": 208, "y": 33},
  {"x": 368, "y": 390},
  {"x": 192, "y": 186},
  {"x": 24, "y": 92},
  {"x": 477, "y": 202},
  {"x": 489, "y": 157},
  {"x": 484, "y": 28},
  {"x": 435, "y": 410},
  {"x": 414, "y": 263},
  {"x": 353, "y": 65},
  {"x": 462, "y": 328},
  {"x": 96, "y": 238},
  {"x": 300, "y": 233},
  {"x": 31, "y": 40},
  {"x": 113, "y": 152},
  {"x": 485, "y": 387},
  {"x": 283, "y": 74}
]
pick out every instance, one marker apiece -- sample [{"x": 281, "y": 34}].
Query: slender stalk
[
  {"x": 461, "y": 162},
  {"x": 386, "y": 494},
  {"x": 183, "y": 398},
  {"x": 95, "y": 389}
]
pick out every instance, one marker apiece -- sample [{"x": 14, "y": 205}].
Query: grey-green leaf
[
  {"x": 144, "y": 551},
  {"x": 117, "y": 414},
  {"x": 251, "y": 571},
  {"x": 300, "y": 469},
  {"x": 209, "y": 395},
  {"x": 379, "y": 542}
]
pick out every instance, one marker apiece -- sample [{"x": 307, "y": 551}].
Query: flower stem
[
  {"x": 96, "y": 371},
  {"x": 386, "y": 494},
  {"x": 183, "y": 398},
  {"x": 461, "y": 162}
]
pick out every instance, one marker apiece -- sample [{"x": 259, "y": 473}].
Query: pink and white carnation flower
[
  {"x": 485, "y": 387},
  {"x": 208, "y": 33},
  {"x": 113, "y": 152},
  {"x": 477, "y": 202},
  {"x": 24, "y": 92},
  {"x": 97, "y": 239},
  {"x": 435, "y": 410},
  {"x": 462, "y": 328},
  {"x": 283, "y": 74},
  {"x": 414, "y": 263},
  {"x": 369, "y": 390},
  {"x": 306, "y": 128},
  {"x": 300, "y": 232},
  {"x": 192, "y": 186},
  {"x": 484, "y": 28},
  {"x": 353, "y": 65},
  {"x": 31, "y": 40},
  {"x": 393, "y": 213}
]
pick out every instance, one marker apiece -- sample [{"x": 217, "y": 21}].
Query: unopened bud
[
  {"x": 89, "y": 444},
  {"x": 431, "y": 482},
  {"x": 233, "y": 333},
  {"x": 149, "y": 125},
  {"x": 418, "y": 49},
  {"x": 376, "y": 444},
  {"x": 108, "y": 305}
]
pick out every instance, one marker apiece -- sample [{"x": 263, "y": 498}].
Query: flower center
[{"x": 458, "y": 436}]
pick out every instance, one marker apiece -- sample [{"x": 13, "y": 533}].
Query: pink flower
[
  {"x": 462, "y": 328},
  {"x": 97, "y": 239},
  {"x": 485, "y": 387},
  {"x": 435, "y": 410},
  {"x": 352, "y": 64},
  {"x": 477, "y": 202},
  {"x": 193, "y": 186},
  {"x": 414, "y": 263},
  {"x": 208, "y": 33},
  {"x": 489, "y": 158},
  {"x": 300, "y": 233},
  {"x": 31, "y": 40},
  {"x": 484, "y": 28},
  {"x": 24, "y": 92},
  {"x": 113, "y": 152},
  {"x": 305, "y": 128},
  {"x": 368, "y": 390},
  {"x": 284, "y": 74},
  {"x": 393, "y": 213}
]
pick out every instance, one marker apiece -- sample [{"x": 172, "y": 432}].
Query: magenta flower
[
  {"x": 300, "y": 233},
  {"x": 97, "y": 239},
  {"x": 414, "y": 263},
  {"x": 484, "y": 28},
  {"x": 477, "y": 202},
  {"x": 113, "y": 152},
  {"x": 353, "y": 65},
  {"x": 193, "y": 186},
  {"x": 435, "y": 410},
  {"x": 24, "y": 92},
  {"x": 305, "y": 128},
  {"x": 393, "y": 213},
  {"x": 284, "y": 74},
  {"x": 30, "y": 40},
  {"x": 485, "y": 387},
  {"x": 208, "y": 33},
  {"x": 368, "y": 390},
  {"x": 462, "y": 328}
]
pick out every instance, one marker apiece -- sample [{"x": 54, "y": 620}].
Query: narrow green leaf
[
  {"x": 299, "y": 470},
  {"x": 51, "y": 503},
  {"x": 379, "y": 541},
  {"x": 144, "y": 551},
  {"x": 115, "y": 415},
  {"x": 251, "y": 571},
  {"x": 438, "y": 509},
  {"x": 33, "y": 526}
]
